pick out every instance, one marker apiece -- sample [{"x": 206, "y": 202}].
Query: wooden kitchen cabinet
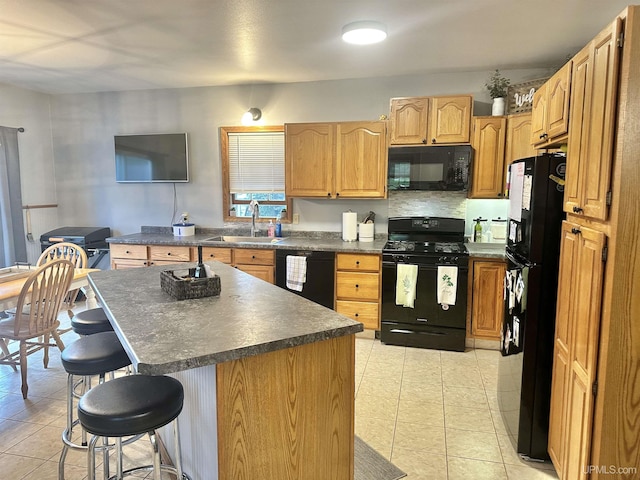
[
  {"x": 518, "y": 141},
  {"x": 592, "y": 126},
  {"x": 333, "y": 160},
  {"x": 257, "y": 262},
  {"x": 487, "y": 301},
  {"x": 488, "y": 159},
  {"x": 550, "y": 110},
  {"x": 220, "y": 254},
  {"x": 576, "y": 348},
  {"x": 430, "y": 120},
  {"x": 135, "y": 256},
  {"x": 358, "y": 287}
]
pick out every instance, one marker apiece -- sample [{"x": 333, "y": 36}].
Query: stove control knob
[
  {"x": 442, "y": 259},
  {"x": 455, "y": 259}
]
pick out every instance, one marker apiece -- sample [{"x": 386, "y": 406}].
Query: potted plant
[{"x": 497, "y": 86}]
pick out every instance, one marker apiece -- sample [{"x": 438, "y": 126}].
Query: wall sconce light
[
  {"x": 252, "y": 115},
  {"x": 364, "y": 33}
]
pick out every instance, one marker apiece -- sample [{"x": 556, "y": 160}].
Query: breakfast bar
[{"x": 268, "y": 375}]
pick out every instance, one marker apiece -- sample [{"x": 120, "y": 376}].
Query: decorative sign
[{"x": 520, "y": 96}]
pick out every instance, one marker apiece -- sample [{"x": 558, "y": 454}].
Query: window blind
[{"x": 256, "y": 162}]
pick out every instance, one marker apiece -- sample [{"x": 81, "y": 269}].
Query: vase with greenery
[{"x": 497, "y": 86}]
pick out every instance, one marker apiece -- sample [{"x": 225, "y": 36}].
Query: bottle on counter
[
  {"x": 271, "y": 229},
  {"x": 200, "y": 271},
  {"x": 278, "y": 226},
  {"x": 477, "y": 229}
]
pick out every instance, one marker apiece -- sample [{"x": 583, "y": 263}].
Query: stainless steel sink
[{"x": 243, "y": 239}]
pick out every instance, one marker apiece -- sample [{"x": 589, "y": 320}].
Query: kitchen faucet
[{"x": 254, "y": 208}]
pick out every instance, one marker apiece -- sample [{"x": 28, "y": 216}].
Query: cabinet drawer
[
  {"x": 365, "y": 312},
  {"x": 220, "y": 254},
  {"x": 358, "y": 261},
  {"x": 137, "y": 252},
  {"x": 263, "y": 272},
  {"x": 357, "y": 286},
  {"x": 124, "y": 263},
  {"x": 169, "y": 253},
  {"x": 248, "y": 256}
]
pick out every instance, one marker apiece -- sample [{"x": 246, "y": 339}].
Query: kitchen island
[{"x": 268, "y": 376}]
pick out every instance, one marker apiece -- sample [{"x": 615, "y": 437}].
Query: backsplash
[
  {"x": 427, "y": 203},
  {"x": 446, "y": 204}
]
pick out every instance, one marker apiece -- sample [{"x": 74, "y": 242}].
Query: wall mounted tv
[{"x": 160, "y": 157}]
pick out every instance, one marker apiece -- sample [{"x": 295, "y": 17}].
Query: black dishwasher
[{"x": 318, "y": 286}]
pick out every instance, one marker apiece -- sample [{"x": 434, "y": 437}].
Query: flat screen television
[{"x": 159, "y": 157}]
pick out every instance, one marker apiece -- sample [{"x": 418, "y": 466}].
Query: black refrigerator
[{"x": 536, "y": 188}]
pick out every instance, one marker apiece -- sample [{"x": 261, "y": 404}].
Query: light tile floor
[{"x": 434, "y": 414}]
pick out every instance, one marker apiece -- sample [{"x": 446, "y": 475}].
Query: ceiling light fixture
[
  {"x": 252, "y": 115},
  {"x": 364, "y": 33}
]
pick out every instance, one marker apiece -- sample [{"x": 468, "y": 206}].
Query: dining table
[{"x": 10, "y": 289}]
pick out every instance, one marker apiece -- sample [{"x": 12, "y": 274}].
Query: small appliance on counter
[
  {"x": 184, "y": 228},
  {"x": 366, "y": 228},
  {"x": 498, "y": 230}
]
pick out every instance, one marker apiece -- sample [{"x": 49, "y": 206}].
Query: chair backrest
[
  {"x": 64, "y": 250},
  {"x": 44, "y": 291}
]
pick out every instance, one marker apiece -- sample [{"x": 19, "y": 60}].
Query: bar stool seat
[
  {"x": 90, "y": 355},
  {"x": 133, "y": 405},
  {"x": 90, "y": 322},
  {"x": 94, "y": 355}
]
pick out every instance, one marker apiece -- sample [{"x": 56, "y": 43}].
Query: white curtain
[{"x": 13, "y": 247}]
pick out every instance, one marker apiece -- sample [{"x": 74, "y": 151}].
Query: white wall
[
  {"x": 83, "y": 126},
  {"x": 31, "y": 111}
]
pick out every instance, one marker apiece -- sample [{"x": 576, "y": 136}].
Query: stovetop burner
[{"x": 425, "y": 247}]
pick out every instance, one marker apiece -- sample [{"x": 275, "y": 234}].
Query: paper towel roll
[{"x": 349, "y": 226}]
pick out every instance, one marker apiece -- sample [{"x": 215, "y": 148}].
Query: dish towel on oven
[
  {"x": 406, "y": 278},
  {"x": 447, "y": 285},
  {"x": 296, "y": 272}
]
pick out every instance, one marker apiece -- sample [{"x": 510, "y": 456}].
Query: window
[{"x": 253, "y": 169}]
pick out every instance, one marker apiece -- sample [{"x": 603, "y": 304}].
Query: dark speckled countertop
[
  {"x": 249, "y": 317},
  {"x": 319, "y": 243}
]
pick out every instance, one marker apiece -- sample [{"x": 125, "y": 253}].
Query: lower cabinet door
[{"x": 263, "y": 272}]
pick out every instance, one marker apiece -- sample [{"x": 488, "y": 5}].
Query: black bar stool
[
  {"x": 92, "y": 321},
  {"x": 92, "y": 355},
  {"x": 133, "y": 405}
]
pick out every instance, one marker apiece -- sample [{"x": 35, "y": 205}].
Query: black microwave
[{"x": 429, "y": 168}]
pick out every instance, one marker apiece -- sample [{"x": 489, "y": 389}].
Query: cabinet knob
[
  {"x": 168, "y": 254},
  {"x": 357, "y": 314},
  {"x": 358, "y": 262},
  {"x": 357, "y": 286},
  {"x": 127, "y": 252},
  {"x": 577, "y": 210},
  {"x": 337, "y": 194},
  {"x": 329, "y": 194},
  {"x": 543, "y": 136},
  {"x": 575, "y": 231},
  {"x": 253, "y": 257},
  {"x": 433, "y": 140},
  {"x": 211, "y": 255},
  {"x": 424, "y": 140}
]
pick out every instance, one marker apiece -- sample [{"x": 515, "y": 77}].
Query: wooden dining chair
[
  {"x": 65, "y": 251},
  {"x": 44, "y": 290}
]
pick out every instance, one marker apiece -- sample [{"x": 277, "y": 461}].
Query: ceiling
[{"x": 74, "y": 46}]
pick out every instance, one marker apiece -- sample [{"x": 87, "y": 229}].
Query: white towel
[
  {"x": 406, "y": 278},
  {"x": 296, "y": 272},
  {"x": 447, "y": 285}
]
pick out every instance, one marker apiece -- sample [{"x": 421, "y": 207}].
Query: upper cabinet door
[
  {"x": 592, "y": 130},
  {"x": 408, "y": 118},
  {"x": 450, "y": 119},
  {"x": 309, "y": 159},
  {"x": 518, "y": 143},
  {"x": 550, "y": 114},
  {"x": 361, "y": 159},
  {"x": 488, "y": 160}
]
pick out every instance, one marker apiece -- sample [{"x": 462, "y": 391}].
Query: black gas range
[{"x": 428, "y": 248}]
